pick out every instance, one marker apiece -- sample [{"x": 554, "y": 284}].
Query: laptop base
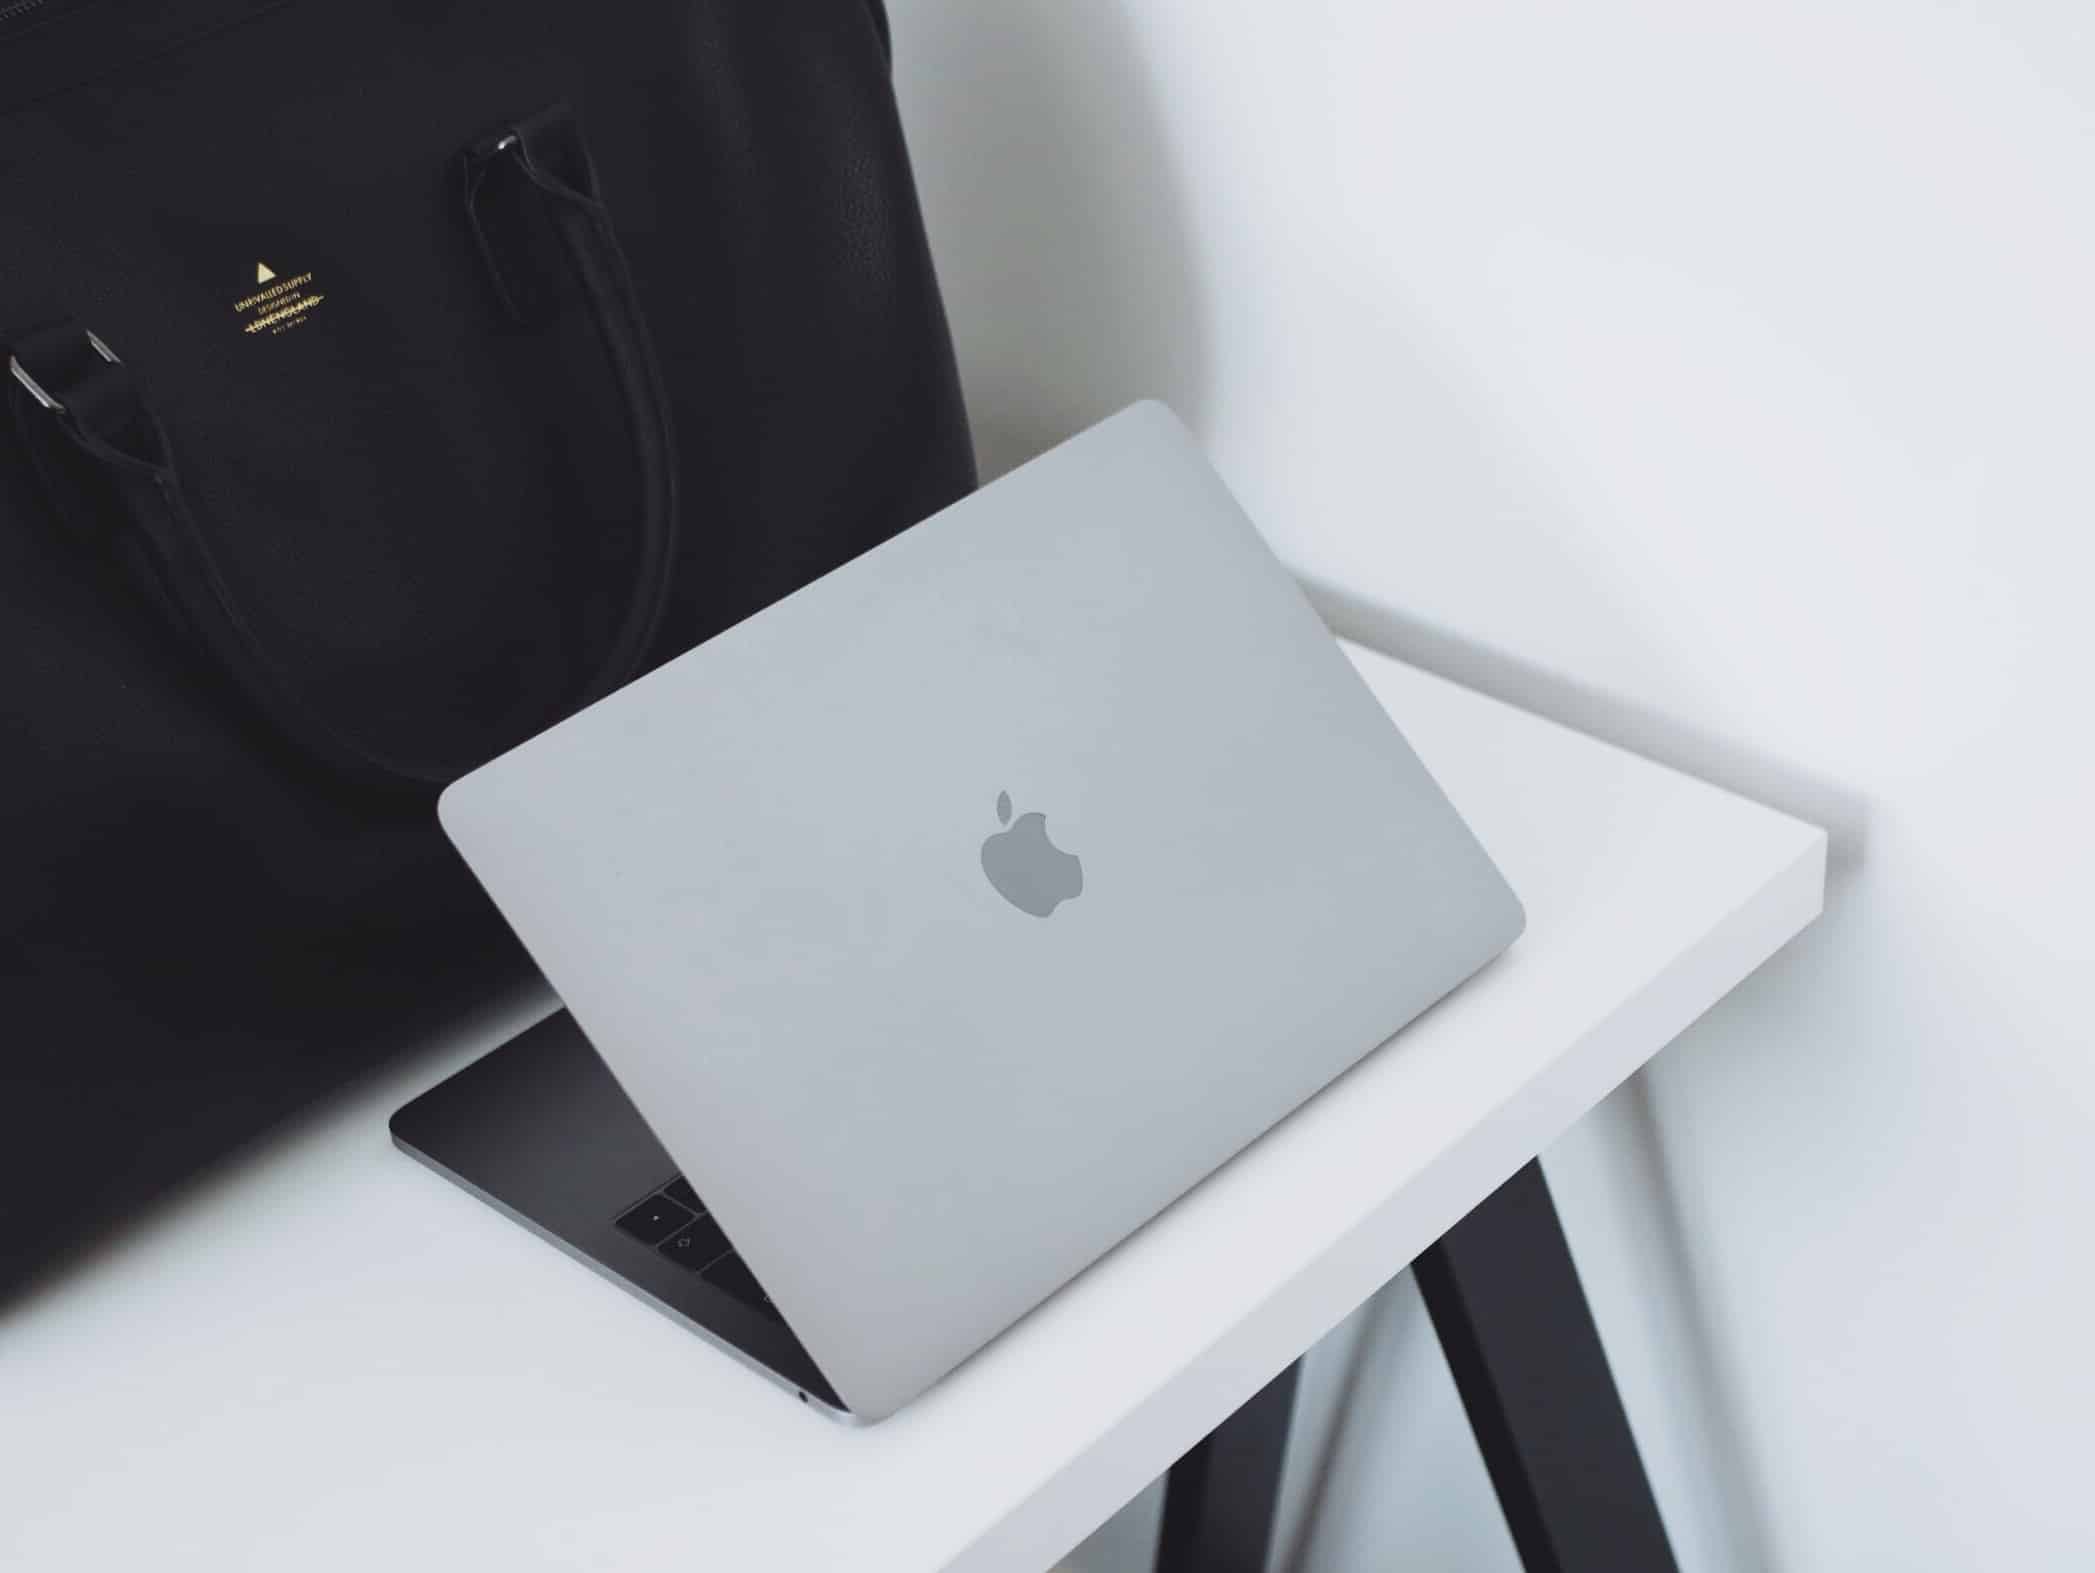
[{"x": 540, "y": 1131}]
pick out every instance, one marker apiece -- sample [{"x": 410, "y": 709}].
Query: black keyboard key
[
  {"x": 653, "y": 1219},
  {"x": 732, "y": 1275},
  {"x": 679, "y": 1190},
  {"x": 695, "y": 1244}
]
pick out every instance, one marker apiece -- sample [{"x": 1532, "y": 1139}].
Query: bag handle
[{"x": 531, "y": 198}]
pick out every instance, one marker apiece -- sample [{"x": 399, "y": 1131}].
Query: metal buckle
[{"x": 36, "y": 389}]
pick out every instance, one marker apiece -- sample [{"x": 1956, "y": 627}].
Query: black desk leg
[
  {"x": 1520, "y": 1340},
  {"x": 1514, "y": 1325},
  {"x": 1219, "y": 1499}
]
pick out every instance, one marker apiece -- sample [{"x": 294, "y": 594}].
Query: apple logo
[{"x": 1028, "y": 870}]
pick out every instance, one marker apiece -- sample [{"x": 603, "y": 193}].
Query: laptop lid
[{"x": 951, "y": 917}]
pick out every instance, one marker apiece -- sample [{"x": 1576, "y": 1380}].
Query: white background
[{"x": 1716, "y": 378}]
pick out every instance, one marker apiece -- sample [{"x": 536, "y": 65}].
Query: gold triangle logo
[{"x": 264, "y": 273}]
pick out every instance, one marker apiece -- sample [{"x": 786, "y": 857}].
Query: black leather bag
[{"x": 387, "y": 380}]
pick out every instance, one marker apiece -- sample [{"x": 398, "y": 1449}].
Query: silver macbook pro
[{"x": 942, "y": 923}]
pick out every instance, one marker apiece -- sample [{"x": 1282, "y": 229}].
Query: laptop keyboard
[{"x": 673, "y": 1220}]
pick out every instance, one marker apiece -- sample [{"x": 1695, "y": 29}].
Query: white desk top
[{"x": 329, "y": 1358}]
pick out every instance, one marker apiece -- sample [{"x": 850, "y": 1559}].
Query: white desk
[{"x": 329, "y": 1358}]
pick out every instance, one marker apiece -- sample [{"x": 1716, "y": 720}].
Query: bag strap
[{"x": 531, "y": 198}]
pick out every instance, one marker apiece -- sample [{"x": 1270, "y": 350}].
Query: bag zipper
[{"x": 10, "y": 10}]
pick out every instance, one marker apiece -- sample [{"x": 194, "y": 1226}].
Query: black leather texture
[{"x": 396, "y": 410}]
